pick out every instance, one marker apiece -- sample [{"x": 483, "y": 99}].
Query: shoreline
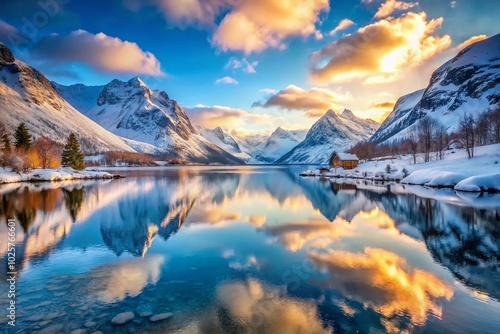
[{"x": 54, "y": 175}]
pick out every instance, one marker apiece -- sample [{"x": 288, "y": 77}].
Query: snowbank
[
  {"x": 449, "y": 172},
  {"x": 488, "y": 183},
  {"x": 59, "y": 174}
]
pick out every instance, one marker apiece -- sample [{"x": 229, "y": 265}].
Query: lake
[{"x": 250, "y": 250}]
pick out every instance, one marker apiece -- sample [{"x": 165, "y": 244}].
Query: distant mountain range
[{"x": 129, "y": 116}]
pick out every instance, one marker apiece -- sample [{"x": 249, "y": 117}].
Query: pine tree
[
  {"x": 23, "y": 139},
  {"x": 72, "y": 155}
]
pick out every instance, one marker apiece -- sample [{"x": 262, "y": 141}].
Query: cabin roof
[{"x": 347, "y": 156}]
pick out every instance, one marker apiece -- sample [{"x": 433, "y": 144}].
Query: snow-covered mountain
[
  {"x": 280, "y": 142},
  {"x": 148, "y": 120},
  {"x": 332, "y": 132},
  {"x": 26, "y": 95},
  {"x": 223, "y": 140},
  {"x": 470, "y": 83}
]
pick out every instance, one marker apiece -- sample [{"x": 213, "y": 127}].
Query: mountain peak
[
  {"x": 347, "y": 113},
  {"x": 136, "y": 81},
  {"x": 6, "y": 55}
]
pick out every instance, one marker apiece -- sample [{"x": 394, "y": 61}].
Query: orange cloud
[
  {"x": 469, "y": 41},
  {"x": 383, "y": 281},
  {"x": 379, "y": 51},
  {"x": 314, "y": 101},
  {"x": 101, "y": 52},
  {"x": 213, "y": 116},
  {"x": 390, "y": 6},
  {"x": 343, "y": 25},
  {"x": 266, "y": 23}
]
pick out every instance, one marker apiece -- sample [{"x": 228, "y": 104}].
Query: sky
[{"x": 250, "y": 66}]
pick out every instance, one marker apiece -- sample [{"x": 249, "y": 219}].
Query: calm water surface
[{"x": 250, "y": 250}]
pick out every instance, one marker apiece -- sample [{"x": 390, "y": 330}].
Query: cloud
[
  {"x": 343, "y": 25},
  {"x": 243, "y": 64},
  {"x": 227, "y": 81},
  {"x": 103, "y": 53},
  {"x": 390, "y": 6},
  {"x": 383, "y": 281},
  {"x": 246, "y": 25},
  {"x": 470, "y": 41},
  {"x": 266, "y": 23},
  {"x": 453, "y": 4},
  {"x": 379, "y": 51},
  {"x": 267, "y": 90},
  {"x": 213, "y": 116},
  {"x": 314, "y": 99},
  {"x": 12, "y": 37}
]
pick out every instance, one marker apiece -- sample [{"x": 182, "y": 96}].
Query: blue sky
[{"x": 386, "y": 48}]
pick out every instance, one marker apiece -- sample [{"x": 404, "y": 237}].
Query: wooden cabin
[{"x": 344, "y": 160}]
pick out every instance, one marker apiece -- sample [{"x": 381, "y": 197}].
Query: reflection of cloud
[
  {"x": 314, "y": 233},
  {"x": 377, "y": 52},
  {"x": 383, "y": 281},
  {"x": 261, "y": 309},
  {"x": 258, "y": 220},
  {"x": 119, "y": 280}
]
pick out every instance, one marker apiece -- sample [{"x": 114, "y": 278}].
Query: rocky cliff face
[
  {"x": 26, "y": 95},
  {"x": 468, "y": 83}
]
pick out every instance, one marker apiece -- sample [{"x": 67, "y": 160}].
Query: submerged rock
[
  {"x": 90, "y": 324},
  {"x": 122, "y": 318},
  {"x": 52, "y": 329},
  {"x": 161, "y": 316}
]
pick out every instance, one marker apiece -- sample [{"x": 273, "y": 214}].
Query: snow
[
  {"x": 347, "y": 156},
  {"x": 480, "y": 173},
  {"x": 480, "y": 183},
  {"x": 59, "y": 174}
]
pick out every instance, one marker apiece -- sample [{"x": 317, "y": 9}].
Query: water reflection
[{"x": 352, "y": 248}]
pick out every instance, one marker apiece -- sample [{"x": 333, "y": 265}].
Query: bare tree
[
  {"x": 425, "y": 130},
  {"x": 48, "y": 152},
  {"x": 483, "y": 135},
  {"x": 467, "y": 133},
  {"x": 412, "y": 143},
  {"x": 440, "y": 140}
]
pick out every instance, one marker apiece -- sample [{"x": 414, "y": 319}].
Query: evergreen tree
[
  {"x": 23, "y": 139},
  {"x": 72, "y": 155}
]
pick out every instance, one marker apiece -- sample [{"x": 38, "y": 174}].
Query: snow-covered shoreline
[
  {"x": 48, "y": 175},
  {"x": 456, "y": 171}
]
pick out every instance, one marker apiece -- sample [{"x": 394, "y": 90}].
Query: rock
[
  {"x": 90, "y": 324},
  {"x": 84, "y": 308},
  {"x": 171, "y": 299},
  {"x": 145, "y": 314},
  {"x": 104, "y": 315},
  {"x": 97, "y": 332},
  {"x": 52, "y": 329},
  {"x": 6, "y": 55},
  {"x": 36, "y": 317},
  {"x": 79, "y": 331},
  {"x": 122, "y": 318},
  {"x": 51, "y": 316},
  {"x": 161, "y": 316},
  {"x": 44, "y": 323}
]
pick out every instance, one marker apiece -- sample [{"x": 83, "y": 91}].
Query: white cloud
[
  {"x": 101, "y": 52},
  {"x": 227, "y": 81},
  {"x": 243, "y": 64}
]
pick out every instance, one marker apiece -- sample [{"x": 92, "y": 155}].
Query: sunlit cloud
[
  {"x": 343, "y": 25},
  {"x": 267, "y": 90},
  {"x": 227, "y": 81},
  {"x": 470, "y": 41},
  {"x": 261, "y": 309},
  {"x": 383, "y": 281},
  {"x": 313, "y": 101},
  {"x": 379, "y": 111},
  {"x": 243, "y": 64},
  {"x": 227, "y": 117},
  {"x": 103, "y": 53},
  {"x": 378, "y": 52},
  {"x": 12, "y": 36},
  {"x": 390, "y": 6}
]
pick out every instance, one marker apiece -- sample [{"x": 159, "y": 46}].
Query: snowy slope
[
  {"x": 27, "y": 96},
  {"x": 223, "y": 140},
  {"x": 147, "y": 119},
  {"x": 332, "y": 132},
  {"x": 470, "y": 83},
  {"x": 280, "y": 142}
]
